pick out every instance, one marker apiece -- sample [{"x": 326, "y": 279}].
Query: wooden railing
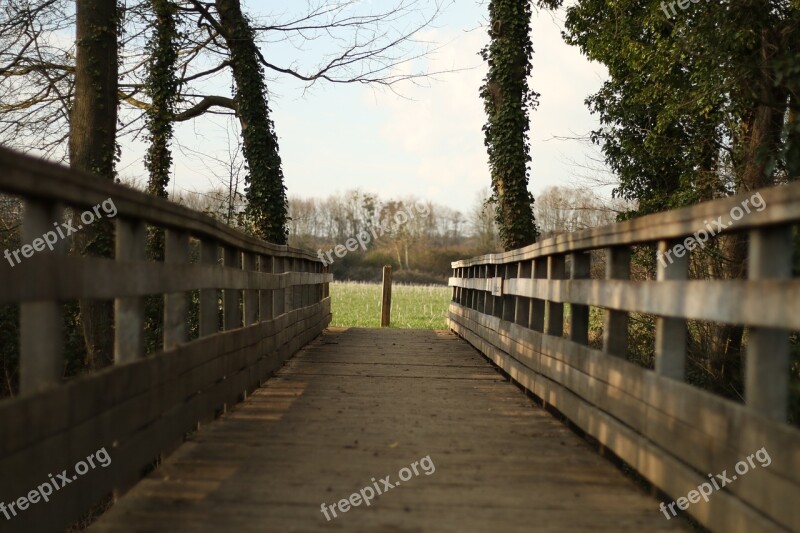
[
  {"x": 274, "y": 301},
  {"x": 510, "y": 306}
]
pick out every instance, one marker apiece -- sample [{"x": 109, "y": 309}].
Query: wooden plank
[
  {"x": 671, "y": 333},
  {"x": 675, "y": 416},
  {"x": 41, "y": 323},
  {"x": 556, "y": 269},
  {"x": 129, "y": 311},
  {"x": 784, "y": 208},
  {"x": 615, "y": 323},
  {"x": 231, "y": 312},
  {"x": 176, "y": 304},
  {"x": 723, "y": 511},
  {"x": 265, "y": 296},
  {"x": 99, "y": 278},
  {"x": 523, "y": 305},
  {"x": 579, "y": 314},
  {"x": 32, "y": 177},
  {"x": 767, "y": 362},
  {"x": 209, "y": 298},
  {"x": 282, "y": 470},
  {"x": 137, "y": 444},
  {"x": 724, "y": 301},
  {"x": 250, "y": 295}
]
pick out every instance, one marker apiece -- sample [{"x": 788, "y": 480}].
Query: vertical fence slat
[
  {"x": 767, "y": 362},
  {"x": 615, "y": 324},
  {"x": 230, "y": 297},
  {"x": 41, "y": 323},
  {"x": 556, "y": 269},
  {"x": 129, "y": 310},
  {"x": 508, "y": 271},
  {"x": 537, "y": 305},
  {"x": 250, "y": 296},
  {"x": 265, "y": 296},
  {"x": 209, "y": 298},
  {"x": 671, "y": 333},
  {"x": 176, "y": 305},
  {"x": 579, "y": 314},
  {"x": 523, "y": 305},
  {"x": 280, "y": 294}
]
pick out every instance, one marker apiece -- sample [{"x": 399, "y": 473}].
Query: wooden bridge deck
[{"x": 358, "y": 404}]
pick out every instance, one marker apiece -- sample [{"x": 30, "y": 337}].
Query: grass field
[{"x": 413, "y": 306}]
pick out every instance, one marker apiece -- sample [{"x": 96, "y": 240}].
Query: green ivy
[{"x": 507, "y": 101}]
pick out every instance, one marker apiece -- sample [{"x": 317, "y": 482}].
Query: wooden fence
[
  {"x": 510, "y": 306},
  {"x": 274, "y": 300}
]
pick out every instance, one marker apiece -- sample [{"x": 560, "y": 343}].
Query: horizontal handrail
[{"x": 511, "y": 307}]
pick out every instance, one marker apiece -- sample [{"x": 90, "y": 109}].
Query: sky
[{"x": 425, "y": 142}]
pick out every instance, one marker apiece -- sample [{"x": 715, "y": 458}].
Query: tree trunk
[
  {"x": 92, "y": 149},
  {"x": 266, "y": 194}
]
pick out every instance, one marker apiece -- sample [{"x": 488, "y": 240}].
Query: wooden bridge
[{"x": 264, "y": 419}]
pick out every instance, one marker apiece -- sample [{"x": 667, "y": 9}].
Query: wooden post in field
[{"x": 386, "y": 302}]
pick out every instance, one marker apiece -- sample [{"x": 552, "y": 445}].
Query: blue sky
[{"x": 427, "y": 143}]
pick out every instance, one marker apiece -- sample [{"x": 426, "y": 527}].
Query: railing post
[
  {"x": 766, "y": 389},
  {"x": 129, "y": 310},
  {"x": 265, "y": 295},
  {"x": 230, "y": 297},
  {"x": 556, "y": 269},
  {"x": 671, "y": 333},
  {"x": 250, "y": 295},
  {"x": 615, "y": 324},
  {"x": 509, "y": 302},
  {"x": 522, "y": 313},
  {"x": 386, "y": 299},
  {"x": 579, "y": 314},
  {"x": 537, "y": 305},
  {"x": 41, "y": 323},
  {"x": 279, "y": 296},
  {"x": 176, "y": 305},
  {"x": 209, "y": 298}
]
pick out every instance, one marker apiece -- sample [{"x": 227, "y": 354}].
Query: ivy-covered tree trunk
[
  {"x": 161, "y": 87},
  {"x": 267, "y": 206},
  {"x": 93, "y": 149},
  {"x": 507, "y": 99}
]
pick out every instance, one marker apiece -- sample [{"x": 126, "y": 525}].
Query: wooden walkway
[{"x": 358, "y": 404}]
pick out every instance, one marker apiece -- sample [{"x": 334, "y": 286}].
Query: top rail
[
  {"x": 783, "y": 206},
  {"x": 34, "y": 178}
]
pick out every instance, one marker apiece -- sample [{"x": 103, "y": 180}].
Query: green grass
[{"x": 413, "y": 306}]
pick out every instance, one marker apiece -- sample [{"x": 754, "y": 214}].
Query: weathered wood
[
  {"x": 615, "y": 323},
  {"x": 129, "y": 311},
  {"x": 556, "y": 269},
  {"x": 540, "y": 268},
  {"x": 523, "y": 305},
  {"x": 671, "y": 333},
  {"x": 783, "y": 202},
  {"x": 176, "y": 304},
  {"x": 231, "y": 310},
  {"x": 723, "y": 511},
  {"x": 265, "y": 264},
  {"x": 386, "y": 297},
  {"x": 672, "y": 415},
  {"x": 41, "y": 323},
  {"x": 767, "y": 361},
  {"x": 283, "y": 471},
  {"x": 32, "y": 177},
  {"x": 726, "y": 301},
  {"x": 250, "y": 296},
  {"x": 581, "y": 263},
  {"x": 209, "y": 298}
]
